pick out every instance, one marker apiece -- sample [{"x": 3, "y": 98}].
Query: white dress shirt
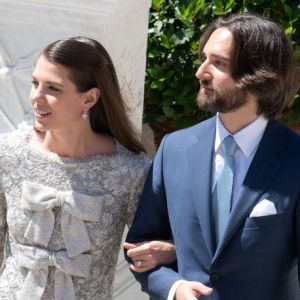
[{"x": 247, "y": 140}]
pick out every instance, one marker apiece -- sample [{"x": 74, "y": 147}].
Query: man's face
[{"x": 218, "y": 91}]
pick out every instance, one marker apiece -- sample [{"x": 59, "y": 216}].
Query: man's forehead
[{"x": 219, "y": 44}]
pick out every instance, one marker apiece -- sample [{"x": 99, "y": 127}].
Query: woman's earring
[{"x": 84, "y": 115}]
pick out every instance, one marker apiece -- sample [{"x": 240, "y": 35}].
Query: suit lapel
[
  {"x": 201, "y": 150},
  {"x": 262, "y": 170}
]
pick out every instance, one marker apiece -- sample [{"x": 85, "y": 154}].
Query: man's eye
[
  {"x": 202, "y": 59},
  {"x": 220, "y": 63}
]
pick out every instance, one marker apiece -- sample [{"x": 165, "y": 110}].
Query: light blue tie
[{"x": 223, "y": 190}]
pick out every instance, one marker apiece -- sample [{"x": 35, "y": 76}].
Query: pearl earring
[{"x": 84, "y": 115}]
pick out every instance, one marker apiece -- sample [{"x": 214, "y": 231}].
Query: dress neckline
[{"x": 56, "y": 158}]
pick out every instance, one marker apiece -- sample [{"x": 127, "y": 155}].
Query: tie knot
[{"x": 229, "y": 145}]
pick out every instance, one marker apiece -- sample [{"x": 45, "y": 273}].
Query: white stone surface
[{"x": 27, "y": 26}]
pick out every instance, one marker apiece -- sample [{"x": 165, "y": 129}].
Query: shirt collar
[{"x": 247, "y": 138}]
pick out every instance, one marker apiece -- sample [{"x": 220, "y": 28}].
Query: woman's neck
[{"x": 79, "y": 145}]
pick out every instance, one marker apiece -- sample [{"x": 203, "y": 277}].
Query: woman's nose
[{"x": 37, "y": 95}]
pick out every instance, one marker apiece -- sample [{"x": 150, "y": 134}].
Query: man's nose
[{"x": 203, "y": 72}]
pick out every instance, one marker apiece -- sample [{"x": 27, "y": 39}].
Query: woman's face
[{"x": 56, "y": 102}]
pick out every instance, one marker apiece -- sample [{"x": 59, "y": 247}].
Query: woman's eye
[
  {"x": 35, "y": 83},
  {"x": 53, "y": 89}
]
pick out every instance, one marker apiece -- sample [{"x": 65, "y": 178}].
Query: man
[{"x": 228, "y": 189}]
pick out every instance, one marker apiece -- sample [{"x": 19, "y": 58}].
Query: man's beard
[{"x": 221, "y": 101}]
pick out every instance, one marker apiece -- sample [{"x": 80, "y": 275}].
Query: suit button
[{"x": 214, "y": 276}]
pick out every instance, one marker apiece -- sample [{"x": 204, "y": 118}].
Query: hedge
[{"x": 175, "y": 27}]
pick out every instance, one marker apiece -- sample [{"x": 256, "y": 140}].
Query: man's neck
[{"x": 240, "y": 118}]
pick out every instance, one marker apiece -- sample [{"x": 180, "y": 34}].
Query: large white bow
[
  {"x": 75, "y": 209},
  {"x": 37, "y": 261}
]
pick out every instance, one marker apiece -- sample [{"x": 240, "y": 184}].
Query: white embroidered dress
[{"x": 62, "y": 220}]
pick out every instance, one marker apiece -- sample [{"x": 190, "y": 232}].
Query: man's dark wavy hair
[{"x": 262, "y": 61}]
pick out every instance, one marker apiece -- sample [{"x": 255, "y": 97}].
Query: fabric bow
[
  {"x": 75, "y": 209},
  {"x": 37, "y": 261}
]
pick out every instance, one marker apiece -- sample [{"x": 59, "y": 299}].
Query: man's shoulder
[
  {"x": 198, "y": 130},
  {"x": 279, "y": 137},
  {"x": 278, "y": 128}
]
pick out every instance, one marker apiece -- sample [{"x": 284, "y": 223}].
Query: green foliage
[{"x": 174, "y": 30}]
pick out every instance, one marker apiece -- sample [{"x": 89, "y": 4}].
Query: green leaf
[
  {"x": 297, "y": 54},
  {"x": 157, "y": 4},
  {"x": 180, "y": 15},
  {"x": 229, "y": 5},
  {"x": 153, "y": 52},
  {"x": 288, "y": 10},
  {"x": 155, "y": 84},
  {"x": 169, "y": 74},
  {"x": 161, "y": 119},
  {"x": 169, "y": 93},
  {"x": 165, "y": 42},
  {"x": 182, "y": 36},
  {"x": 218, "y": 5},
  {"x": 169, "y": 111},
  {"x": 158, "y": 26},
  {"x": 290, "y": 30}
]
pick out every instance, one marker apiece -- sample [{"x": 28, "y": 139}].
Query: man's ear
[{"x": 91, "y": 97}]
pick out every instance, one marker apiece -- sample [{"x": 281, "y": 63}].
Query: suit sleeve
[
  {"x": 297, "y": 217},
  {"x": 151, "y": 222}
]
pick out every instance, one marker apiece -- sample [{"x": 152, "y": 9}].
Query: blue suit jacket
[{"x": 257, "y": 258}]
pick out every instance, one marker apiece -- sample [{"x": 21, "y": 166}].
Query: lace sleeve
[{"x": 136, "y": 191}]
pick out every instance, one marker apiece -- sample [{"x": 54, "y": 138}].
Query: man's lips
[{"x": 206, "y": 89}]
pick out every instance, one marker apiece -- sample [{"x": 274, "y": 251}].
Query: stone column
[{"x": 27, "y": 26}]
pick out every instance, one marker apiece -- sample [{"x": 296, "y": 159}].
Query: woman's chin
[{"x": 39, "y": 127}]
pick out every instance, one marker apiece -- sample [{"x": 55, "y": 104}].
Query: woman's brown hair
[
  {"x": 90, "y": 66},
  {"x": 262, "y": 61}
]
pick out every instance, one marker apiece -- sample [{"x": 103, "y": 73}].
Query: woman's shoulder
[
  {"x": 131, "y": 159},
  {"x": 11, "y": 150},
  {"x": 12, "y": 139},
  {"x": 133, "y": 166}
]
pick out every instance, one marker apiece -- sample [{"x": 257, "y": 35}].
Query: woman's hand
[{"x": 148, "y": 255}]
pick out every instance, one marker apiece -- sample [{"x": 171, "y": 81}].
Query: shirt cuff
[{"x": 174, "y": 288}]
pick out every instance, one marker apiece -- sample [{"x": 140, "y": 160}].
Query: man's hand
[
  {"x": 192, "y": 290},
  {"x": 148, "y": 255}
]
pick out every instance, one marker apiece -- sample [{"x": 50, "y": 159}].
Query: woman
[{"x": 68, "y": 187}]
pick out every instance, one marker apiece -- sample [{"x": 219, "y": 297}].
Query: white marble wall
[{"x": 27, "y": 26}]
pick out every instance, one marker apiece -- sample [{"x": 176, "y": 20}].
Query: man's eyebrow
[
  {"x": 221, "y": 57},
  {"x": 203, "y": 55}
]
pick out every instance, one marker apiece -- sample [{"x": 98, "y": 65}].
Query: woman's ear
[{"x": 91, "y": 97}]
